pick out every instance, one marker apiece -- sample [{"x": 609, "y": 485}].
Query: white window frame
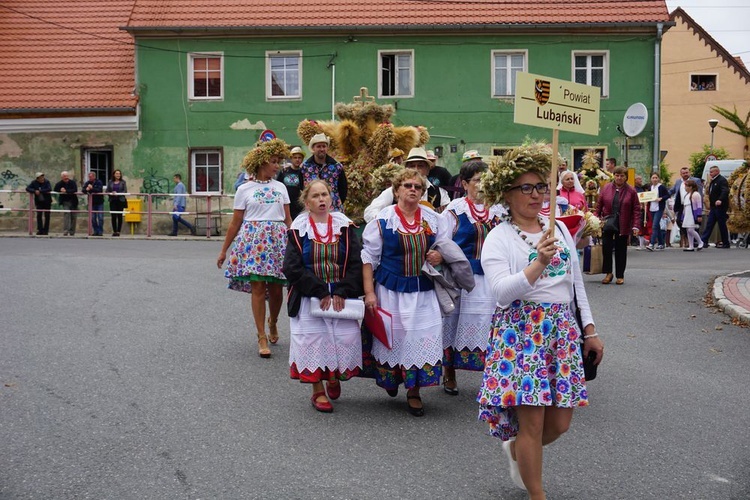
[
  {"x": 381, "y": 53},
  {"x": 190, "y": 75},
  {"x": 508, "y": 54},
  {"x": 87, "y": 163},
  {"x": 269, "y": 85},
  {"x": 589, "y": 53},
  {"x": 194, "y": 173}
]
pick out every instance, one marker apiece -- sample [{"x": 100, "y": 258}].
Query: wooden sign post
[{"x": 547, "y": 102}]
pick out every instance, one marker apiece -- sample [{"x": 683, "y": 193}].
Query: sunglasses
[
  {"x": 541, "y": 188},
  {"x": 409, "y": 185}
]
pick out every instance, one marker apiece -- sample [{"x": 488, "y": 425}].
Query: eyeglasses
[
  {"x": 541, "y": 188},
  {"x": 409, "y": 185}
]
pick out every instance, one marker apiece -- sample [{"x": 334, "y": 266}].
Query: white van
[{"x": 726, "y": 167}]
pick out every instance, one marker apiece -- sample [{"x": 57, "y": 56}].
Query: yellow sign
[
  {"x": 647, "y": 196},
  {"x": 547, "y": 102}
]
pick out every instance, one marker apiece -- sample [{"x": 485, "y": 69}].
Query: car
[{"x": 726, "y": 167}]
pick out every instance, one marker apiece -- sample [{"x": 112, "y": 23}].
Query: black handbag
[{"x": 589, "y": 368}]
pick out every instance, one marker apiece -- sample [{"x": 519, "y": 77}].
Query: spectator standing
[
  {"x": 69, "y": 200},
  {"x": 679, "y": 191},
  {"x": 718, "y": 198},
  {"x": 116, "y": 188},
  {"x": 93, "y": 187},
  {"x": 42, "y": 190},
  {"x": 323, "y": 167},
  {"x": 178, "y": 206},
  {"x": 618, "y": 200},
  {"x": 656, "y": 208},
  {"x": 291, "y": 177}
]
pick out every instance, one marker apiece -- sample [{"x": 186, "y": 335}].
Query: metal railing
[{"x": 208, "y": 207}]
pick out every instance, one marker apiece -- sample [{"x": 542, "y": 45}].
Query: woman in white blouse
[{"x": 533, "y": 375}]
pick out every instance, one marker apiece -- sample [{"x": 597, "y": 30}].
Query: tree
[
  {"x": 698, "y": 159},
  {"x": 742, "y": 127}
]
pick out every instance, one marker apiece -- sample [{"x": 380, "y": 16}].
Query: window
[
  {"x": 578, "y": 157},
  {"x": 592, "y": 68},
  {"x": 702, "y": 82},
  {"x": 206, "y": 171},
  {"x": 396, "y": 74},
  {"x": 284, "y": 75},
  {"x": 98, "y": 161},
  {"x": 505, "y": 65},
  {"x": 206, "y": 76}
]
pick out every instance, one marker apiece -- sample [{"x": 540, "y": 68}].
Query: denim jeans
[
  {"x": 97, "y": 219},
  {"x": 657, "y": 235},
  {"x": 176, "y": 219}
]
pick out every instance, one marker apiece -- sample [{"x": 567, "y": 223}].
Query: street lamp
[{"x": 712, "y": 123}]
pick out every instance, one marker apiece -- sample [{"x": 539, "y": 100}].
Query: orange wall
[{"x": 685, "y": 113}]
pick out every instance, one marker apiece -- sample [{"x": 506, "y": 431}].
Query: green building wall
[{"x": 452, "y": 93}]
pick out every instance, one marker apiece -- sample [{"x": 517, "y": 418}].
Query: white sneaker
[{"x": 515, "y": 474}]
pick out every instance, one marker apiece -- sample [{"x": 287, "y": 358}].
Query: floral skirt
[
  {"x": 415, "y": 357},
  {"x": 257, "y": 255},
  {"x": 533, "y": 358}
]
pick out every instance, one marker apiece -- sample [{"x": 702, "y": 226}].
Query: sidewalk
[{"x": 731, "y": 294}]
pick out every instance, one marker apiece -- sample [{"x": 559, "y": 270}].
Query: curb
[{"x": 726, "y": 305}]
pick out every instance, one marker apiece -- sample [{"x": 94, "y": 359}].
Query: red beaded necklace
[
  {"x": 328, "y": 238},
  {"x": 412, "y": 227},
  {"x": 479, "y": 215}
]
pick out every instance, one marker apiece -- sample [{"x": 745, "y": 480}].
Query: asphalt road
[{"x": 128, "y": 370}]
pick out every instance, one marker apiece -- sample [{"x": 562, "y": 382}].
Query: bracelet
[{"x": 590, "y": 336}]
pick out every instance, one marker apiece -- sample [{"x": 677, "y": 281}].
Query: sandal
[
  {"x": 322, "y": 406},
  {"x": 416, "y": 411},
  {"x": 263, "y": 350},
  {"x": 449, "y": 382},
  {"x": 273, "y": 332},
  {"x": 334, "y": 390}
]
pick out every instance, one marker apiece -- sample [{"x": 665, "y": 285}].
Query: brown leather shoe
[
  {"x": 620, "y": 281},
  {"x": 608, "y": 279}
]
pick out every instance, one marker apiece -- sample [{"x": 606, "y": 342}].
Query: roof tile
[
  {"x": 397, "y": 13},
  {"x": 66, "y": 54}
]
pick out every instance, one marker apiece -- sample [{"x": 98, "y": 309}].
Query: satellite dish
[{"x": 635, "y": 119}]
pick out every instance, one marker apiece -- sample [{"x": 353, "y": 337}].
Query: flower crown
[
  {"x": 262, "y": 153},
  {"x": 498, "y": 178}
]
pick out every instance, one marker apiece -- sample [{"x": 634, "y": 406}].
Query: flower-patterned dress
[
  {"x": 534, "y": 354},
  {"x": 258, "y": 250},
  {"x": 465, "y": 330},
  {"x": 397, "y": 256}
]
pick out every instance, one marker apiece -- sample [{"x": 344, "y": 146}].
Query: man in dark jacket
[
  {"x": 69, "y": 200},
  {"x": 41, "y": 188},
  {"x": 94, "y": 188},
  {"x": 718, "y": 197}
]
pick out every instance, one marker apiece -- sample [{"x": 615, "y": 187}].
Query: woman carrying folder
[
  {"x": 322, "y": 261},
  {"x": 396, "y": 245},
  {"x": 533, "y": 376}
]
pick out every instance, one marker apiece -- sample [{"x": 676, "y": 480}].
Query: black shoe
[
  {"x": 192, "y": 231},
  {"x": 453, "y": 391},
  {"x": 392, "y": 392},
  {"x": 39, "y": 233},
  {"x": 688, "y": 249},
  {"x": 417, "y": 412},
  {"x": 171, "y": 234}
]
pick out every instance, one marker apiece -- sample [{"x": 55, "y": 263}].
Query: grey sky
[{"x": 727, "y": 21}]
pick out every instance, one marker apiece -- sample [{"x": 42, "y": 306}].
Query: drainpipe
[
  {"x": 657, "y": 96},
  {"x": 332, "y": 65}
]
